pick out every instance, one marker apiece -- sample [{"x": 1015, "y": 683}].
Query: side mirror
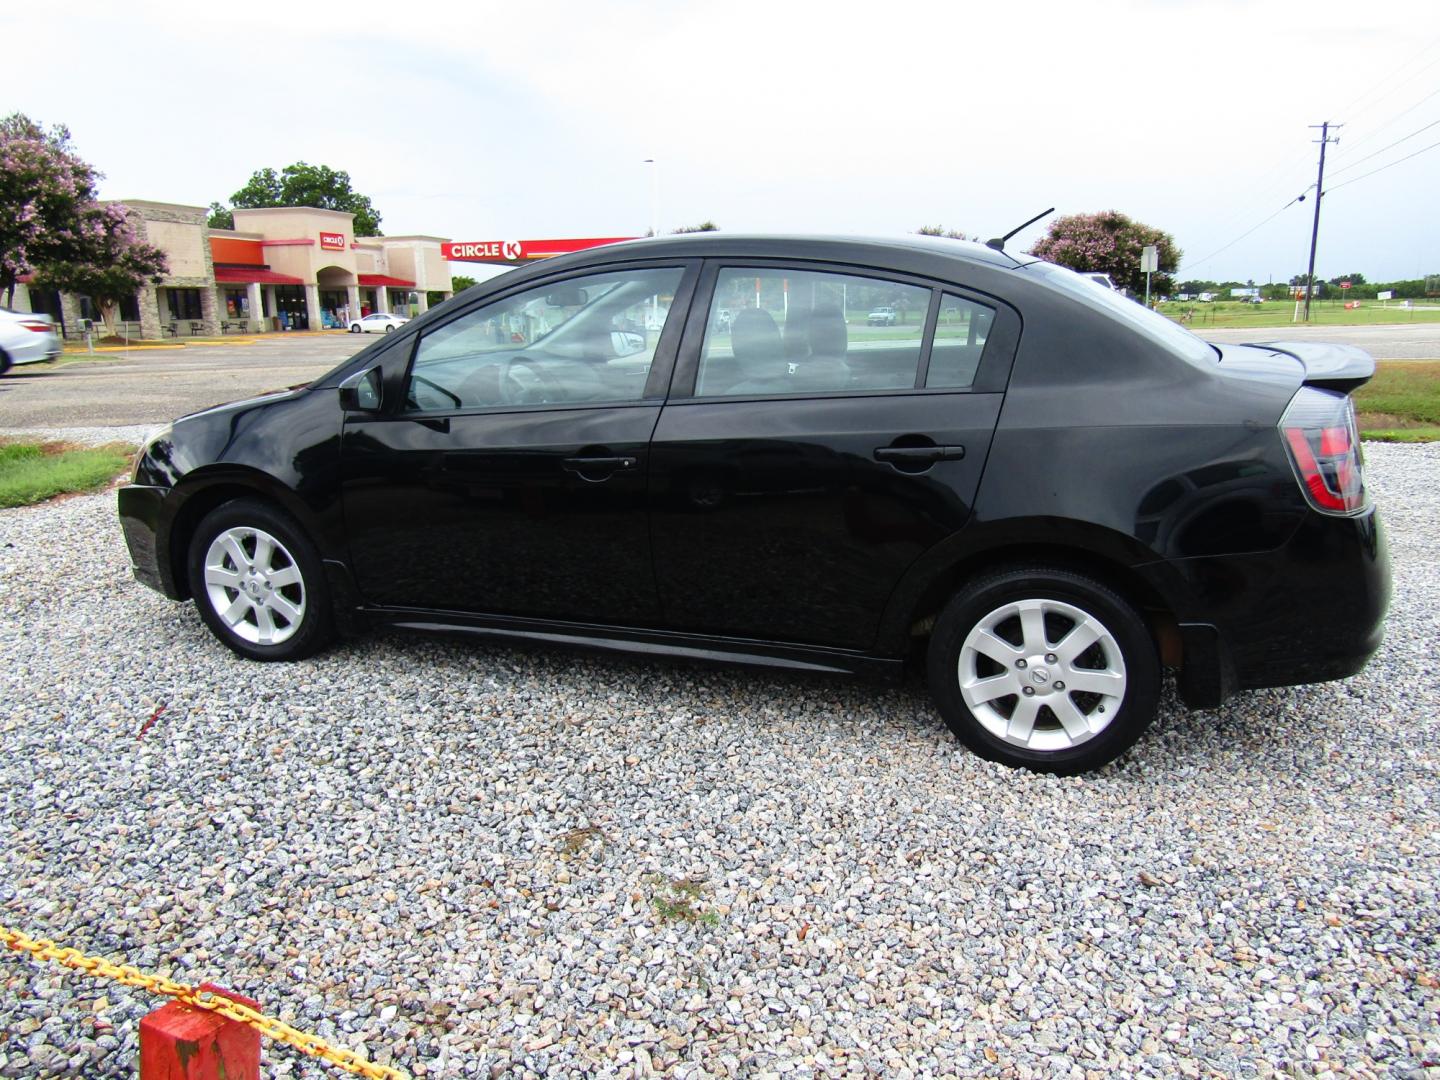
[
  {"x": 627, "y": 342},
  {"x": 361, "y": 391}
]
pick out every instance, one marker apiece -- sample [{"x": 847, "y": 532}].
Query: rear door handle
[
  {"x": 914, "y": 454},
  {"x": 599, "y": 464}
]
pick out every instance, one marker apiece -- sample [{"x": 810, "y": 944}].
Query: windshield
[{"x": 1138, "y": 317}]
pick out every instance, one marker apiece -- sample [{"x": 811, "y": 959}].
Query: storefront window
[{"x": 184, "y": 303}]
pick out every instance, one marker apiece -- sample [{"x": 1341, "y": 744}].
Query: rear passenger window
[
  {"x": 795, "y": 331},
  {"x": 960, "y": 333}
]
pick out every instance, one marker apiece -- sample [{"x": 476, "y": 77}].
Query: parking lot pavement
[
  {"x": 153, "y": 386},
  {"x": 495, "y": 862},
  {"x": 1394, "y": 341}
]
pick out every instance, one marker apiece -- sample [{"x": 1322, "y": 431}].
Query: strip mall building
[{"x": 280, "y": 268}]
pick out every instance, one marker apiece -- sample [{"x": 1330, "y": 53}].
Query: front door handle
[
  {"x": 599, "y": 464},
  {"x": 914, "y": 455}
]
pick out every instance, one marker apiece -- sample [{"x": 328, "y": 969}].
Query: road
[
  {"x": 1392, "y": 341},
  {"x": 155, "y": 386}
]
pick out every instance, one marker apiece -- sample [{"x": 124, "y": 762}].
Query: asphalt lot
[
  {"x": 1394, "y": 341},
  {"x": 153, "y": 386}
]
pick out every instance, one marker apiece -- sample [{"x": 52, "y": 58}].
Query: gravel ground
[{"x": 484, "y": 861}]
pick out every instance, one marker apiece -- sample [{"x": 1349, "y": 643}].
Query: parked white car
[
  {"x": 378, "y": 323},
  {"x": 26, "y": 338}
]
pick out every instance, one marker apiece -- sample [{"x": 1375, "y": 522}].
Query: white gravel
[{"x": 458, "y": 855}]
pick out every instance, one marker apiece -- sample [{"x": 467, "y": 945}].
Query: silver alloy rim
[
  {"x": 254, "y": 584},
  {"x": 1035, "y": 692}
]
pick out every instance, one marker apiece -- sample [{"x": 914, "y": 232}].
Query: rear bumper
[
  {"x": 1311, "y": 611},
  {"x": 36, "y": 348},
  {"x": 140, "y": 507}
]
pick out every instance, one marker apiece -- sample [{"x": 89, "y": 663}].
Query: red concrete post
[{"x": 178, "y": 1042}]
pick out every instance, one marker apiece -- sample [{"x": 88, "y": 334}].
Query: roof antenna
[{"x": 999, "y": 242}]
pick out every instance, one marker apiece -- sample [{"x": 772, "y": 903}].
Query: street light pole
[{"x": 654, "y": 195}]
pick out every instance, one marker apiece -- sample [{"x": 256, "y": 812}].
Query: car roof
[{"x": 819, "y": 246}]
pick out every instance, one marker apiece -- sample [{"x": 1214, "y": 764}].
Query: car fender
[{"x": 933, "y": 578}]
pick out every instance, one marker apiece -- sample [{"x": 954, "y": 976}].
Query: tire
[
  {"x": 989, "y": 632},
  {"x": 355, "y": 328},
  {"x": 285, "y": 601},
  {"x": 5, "y": 362},
  {"x": 390, "y": 329}
]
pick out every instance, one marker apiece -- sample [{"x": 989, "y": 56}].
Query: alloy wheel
[
  {"x": 254, "y": 585},
  {"x": 1042, "y": 674}
]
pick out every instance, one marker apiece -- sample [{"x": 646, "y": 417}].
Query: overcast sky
[{"x": 480, "y": 121}]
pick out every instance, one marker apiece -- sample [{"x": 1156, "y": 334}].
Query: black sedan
[{"x": 1045, "y": 492}]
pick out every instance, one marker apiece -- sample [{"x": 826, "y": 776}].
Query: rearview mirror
[
  {"x": 361, "y": 392},
  {"x": 566, "y": 297}
]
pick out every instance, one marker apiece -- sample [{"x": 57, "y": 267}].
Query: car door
[
  {"x": 807, "y": 457},
  {"x": 506, "y": 472}
]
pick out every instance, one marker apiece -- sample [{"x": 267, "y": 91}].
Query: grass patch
[
  {"x": 1281, "y": 313},
  {"x": 33, "y": 472},
  {"x": 1402, "y": 435},
  {"x": 680, "y": 900}
]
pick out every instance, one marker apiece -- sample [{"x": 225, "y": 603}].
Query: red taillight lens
[
  {"x": 38, "y": 327},
  {"x": 1324, "y": 445}
]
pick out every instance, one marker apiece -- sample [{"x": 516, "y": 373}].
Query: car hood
[{"x": 248, "y": 403}]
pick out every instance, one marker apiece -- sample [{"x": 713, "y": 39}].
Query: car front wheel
[
  {"x": 355, "y": 328},
  {"x": 258, "y": 583},
  {"x": 1045, "y": 669}
]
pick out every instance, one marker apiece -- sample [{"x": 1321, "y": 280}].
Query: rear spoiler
[{"x": 1333, "y": 367}]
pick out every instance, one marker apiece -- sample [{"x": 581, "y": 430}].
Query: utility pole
[{"x": 1315, "y": 229}]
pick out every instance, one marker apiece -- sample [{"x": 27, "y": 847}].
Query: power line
[
  {"x": 1382, "y": 150},
  {"x": 1403, "y": 112},
  {"x": 1394, "y": 74},
  {"x": 1382, "y": 168},
  {"x": 1242, "y": 236}
]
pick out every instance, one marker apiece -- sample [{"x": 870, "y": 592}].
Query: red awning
[
  {"x": 373, "y": 280},
  {"x": 244, "y": 275}
]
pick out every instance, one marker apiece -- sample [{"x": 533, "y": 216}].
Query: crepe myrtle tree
[
  {"x": 1109, "y": 243},
  {"x": 109, "y": 262},
  {"x": 45, "y": 189}
]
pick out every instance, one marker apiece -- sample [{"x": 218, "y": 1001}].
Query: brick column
[
  {"x": 422, "y": 302},
  {"x": 252, "y": 300},
  {"x": 352, "y": 300},
  {"x": 312, "y": 307},
  {"x": 209, "y": 312},
  {"x": 269, "y": 306},
  {"x": 382, "y": 298},
  {"x": 148, "y": 301}
]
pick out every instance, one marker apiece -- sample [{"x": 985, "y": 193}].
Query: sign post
[{"x": 1149, "y": 262}]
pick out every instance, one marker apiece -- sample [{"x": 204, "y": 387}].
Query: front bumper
[
  {"x": 140, "y": 507},
  {"x": 1310, "y": 611}
]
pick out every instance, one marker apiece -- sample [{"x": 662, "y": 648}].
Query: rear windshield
[{"x": 1138, "y": 317}]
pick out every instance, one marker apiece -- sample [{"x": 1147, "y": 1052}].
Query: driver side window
[{"x": 590, "y": 339}]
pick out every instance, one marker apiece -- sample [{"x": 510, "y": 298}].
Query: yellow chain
[{"x": 351, "y": 1062}]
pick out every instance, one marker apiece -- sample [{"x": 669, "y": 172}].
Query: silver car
[{"x": 26, "y": 338}]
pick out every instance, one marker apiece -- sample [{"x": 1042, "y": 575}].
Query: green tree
[
  {"x": 940, "y": 230},
  {"x": 220, "y": 217},
  {"x": 45, "y": 189},
  {"x": 705, "y": 226},
  {"x": 303, "y": 184},
  {"x": 460, "y": 282},
  {"x": 108, "y": 263},
  {"x": 1110, "y": 243},
  {"x": 1354, "y": 279}
]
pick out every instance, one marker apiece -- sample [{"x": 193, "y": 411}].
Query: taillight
[
  {"x": 1324, "y": 445},
  {"x": 38, "y": 327}
]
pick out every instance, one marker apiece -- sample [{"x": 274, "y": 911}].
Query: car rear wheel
[
  {"x": 258, "y": 583},
  {"x": 1044, "y": 669},
  {"x": 5, "y": 362},
  {"x": 390, "y": 329}
]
